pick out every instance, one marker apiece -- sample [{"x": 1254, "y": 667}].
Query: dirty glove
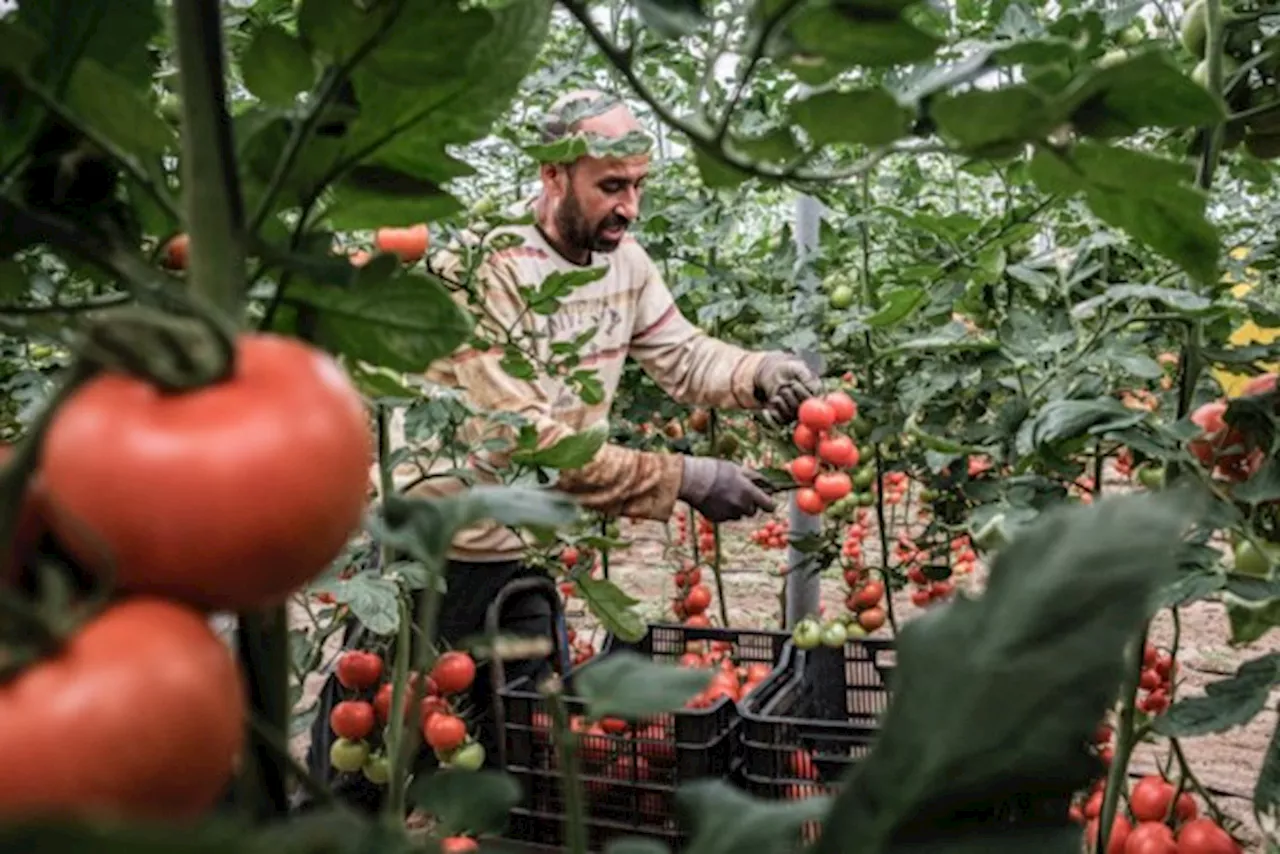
[
  {"x": 783, "y": 382},
  {"x": 723, "y": 491}
]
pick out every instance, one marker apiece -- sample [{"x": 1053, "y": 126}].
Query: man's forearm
[{"x": 626, "y": 482}]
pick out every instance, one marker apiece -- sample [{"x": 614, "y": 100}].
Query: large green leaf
[
  {"x": 612, "y": 606},
  {"x": 1144, "y": 90},
  {"x": 1225, "y": 704},
  {"x": 276, "y": 66},
  {"x": 847, "y": 35},
  {"x": 862, "y": 116},
  {"x": 1266, "y": 792},
  {"x": 627, "y": 685},
  {"x": 1064, "y": 600},
  {"x": 404, "y": 325},
  {"x": 572, "y": 452},
  {"x": 115, "y": 34},
  {"x": 371, "y": 196},
  {"x": 720, "y": 819},
  {"x": 466, "y": 801},
  {"x": 1144, "y": 195},
  {"x": 980, "y": 120},
  {"x": 373, "y": 600}
]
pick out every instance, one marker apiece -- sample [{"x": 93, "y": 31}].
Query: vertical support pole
[{"x": 803, "y": 587}]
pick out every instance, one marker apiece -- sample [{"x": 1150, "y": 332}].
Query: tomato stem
[
  {"x": 393, "y": 808},
  {"x": 1125, "y": 740}
]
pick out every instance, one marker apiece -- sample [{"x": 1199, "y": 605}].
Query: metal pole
[{"x": 803, "y": 587}]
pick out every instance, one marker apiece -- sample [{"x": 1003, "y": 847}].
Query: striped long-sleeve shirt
[{"x": 633, "y": 314}]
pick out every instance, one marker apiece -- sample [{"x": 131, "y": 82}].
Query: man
[{"x": 581, "y": 219}]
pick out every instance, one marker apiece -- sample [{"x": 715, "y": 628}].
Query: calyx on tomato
[{"x": 228, "y": 497}]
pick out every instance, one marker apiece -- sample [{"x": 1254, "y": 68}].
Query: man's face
[{"x": 600, "y": 199}]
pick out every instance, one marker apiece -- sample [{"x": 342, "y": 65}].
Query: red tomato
[
  {"x": 869, "y": 595},
  {"x": 454, "y": 672},
  {"x": 444, "y": 732},
  {"x": 139, "y": 717},
  {"x": 229, "y": 497},
  {"x": 458, "y": 845},
  {"x": 613, "y": 726},
  {"x": 804, "y": 469},
  {"x": 1093, "y": 806},
  {"x": 1151, "y": 798},
  {"x": 1203, "y": 836},
  {"x": 809, "y": 501},
  {"x": 838, "y": 451},
  {"x": 698, "y": 621},
  {"x": 358, "y": 670},
  {"x": 920, "y": 597},
  {"x": 351, "y": 719},
  {"x": 833, "y": 486},
  {"x": 176, "y": 252},
  {"x": 872, "y": 619},
  {"x": 1151, "y": 837},
  {"x": 1186, "y": 808},
  {"x": 842, "y": 406},
  {"x": 698, "y": 600},
  {"x": 817, "y": 415},
  {"x": 408, "y": 243},
  {"x": 1119, "y": 835},
  {"x": 805, "y": 438},
  {"x": 569, "y": 556},
  {"x": 431, "y": 706}
]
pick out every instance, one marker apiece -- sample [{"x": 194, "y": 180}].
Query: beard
[{"x": 580, "y": 234}]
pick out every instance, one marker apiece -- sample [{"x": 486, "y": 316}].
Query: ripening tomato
[
  {"x": 1203, "y": 836},
  {"x": 569, "y": 556},
  {"x": 809, "y": 501},
  {"x": 838, "y": 451},
  {"x": 816, "y": 414},
  {"x": 842, "y": 406},
  {"x": 805, "y": 438},
  {"x": 698, "y": 600},
  {"x": 921, "y": 597},
  {"x": 176, "y": 252},
  {"x": 869, "y": 595},
  {"x": 804, "y": 469},
  {"x": 1151, "y": 796},
  {"x": 444, "y": 733},
  {"x": 228, "y": 497},
  {"x": 454, "y": 672},
  {"x": 1120, "y": 829},
  {"x": 872, "y": 619},
  {"x": 458, "y": 845},
  {"x": 352, "y": 719},
  {"x": 359, "y": 670},
  {"x": 1151, "y": 837},
  {"x": 139, "y": 717},
  {"x": 832, "y": 486},
  {"x": 410, "y": 244}
]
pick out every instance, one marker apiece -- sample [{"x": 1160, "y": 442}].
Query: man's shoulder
[{"x": 631, "y": 254}]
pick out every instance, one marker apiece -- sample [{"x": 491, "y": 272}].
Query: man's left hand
[{"x": 783, "y": 382}]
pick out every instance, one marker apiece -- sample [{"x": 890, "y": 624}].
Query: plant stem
[
  {"x": 393, "y": 807},
  {"x": 210, "y": 180},
  {"x": 566, "y": 744},
  {"x": 263, "y": 650},
  {"x": 604, "y": 552},
  {"x": 1125, "y": 741},
  {"x": 713, "y": 423}
]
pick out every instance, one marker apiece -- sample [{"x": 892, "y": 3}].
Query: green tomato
[
  {"x": 1192, "y": 31},
  {"x": 864, "y": 477},
  {"x": 928, "y": 495},
  {"x": 39, "y": 352},
  {"x": 834, "y": 634},
  {"x": 841, "y": 297},
  {"x": 860, "y": 427},
  {"x": 866, "y": 499},
  {"x": 1113, "y": 57},
  {"x": 807, "y": 634},
  {"x": 485, "y": 205},
  {"x": 377, "y": 769},
  {"x": 1200, "y": 74},
  {"x": 468, "y": 757},
  {"x": 854, "y": 629},
  {"x": 1250, "y": 561},
  {"x": 1133, "y": 34},
  {"x": 1152, "y": 477},
  {"x": 346, "y": 755}
]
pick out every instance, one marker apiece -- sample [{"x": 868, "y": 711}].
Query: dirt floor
[{"x": 1227, "y": 765}]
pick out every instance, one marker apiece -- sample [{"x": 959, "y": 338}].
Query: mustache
[{"x": 614, "y": 221}]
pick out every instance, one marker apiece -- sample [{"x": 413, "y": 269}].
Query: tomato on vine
[
  {"x": 352, "y": 719},
  {"x": 358, "y": 670},
  {"x": 454, "y": 671}
]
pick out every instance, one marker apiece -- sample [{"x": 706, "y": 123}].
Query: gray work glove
[
  {"x": 723, "y": 491},
  {"x": 783, "y": 382}
]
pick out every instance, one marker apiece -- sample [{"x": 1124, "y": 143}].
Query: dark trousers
[{"x": 472, "y": 588}]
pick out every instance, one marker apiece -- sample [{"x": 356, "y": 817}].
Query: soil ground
[{"x": 1227, "y": 765}]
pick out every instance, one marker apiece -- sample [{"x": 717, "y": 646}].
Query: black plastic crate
[
  {"x": 808, "y": 725},
  {"x": 629, "y": 779}
]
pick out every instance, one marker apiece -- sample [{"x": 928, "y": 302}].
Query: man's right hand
[{"x": 723, "y": 491}]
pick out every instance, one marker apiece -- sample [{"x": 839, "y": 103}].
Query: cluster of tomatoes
[
  {"x": 926, "y": 590},
  {"x": 1226, "y": 451},
  {"x": 248, "y": 520},
  {"x": 827, "y": 452},
  {"x": 354, "y": 719},
  {"x": 801, "y": 765},
  {"x": 865, "y": 599},
  {"x": 692, "y": 598},
  {"x": 851, "y": 548},
  {"x": 896, "y": 484},
  {"x": 409, "y": 244},
  {"x": 1161, "y": 820},
  {"x": 1156, "y": 681},
  {"x": 772, "y": 534},
  {"x": 580, "y": 649}
]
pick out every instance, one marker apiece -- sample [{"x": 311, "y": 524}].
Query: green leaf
[
  {"x": 1191, "y": 587},
  {"x": 564, "y": 150},
  {"x": 373, "y": 196},
  {"x": 627, "y": 685},
  {"x": 1251, "y": 620},
  {"x": 1170, "y": 297},
  {"x": 276, "y": 66},
  {"x": 1263, "y": 487},
  {"x": 1064, "y": 599},
  {"x": 672, "y": 18},
  {"x": 635, "y": 845},
  {"x": 723, "y": 820},
  {"x": 117, "y": 110},
  {"x": 404, "y": 325},
  {"x": 1226, "y": 703},
  {"x": 715, "y": 173},
  {"x": 1069, "y": 419},
  {"x": 373, "y": 600},
  {"x": 896, "y": 306},
  {"x": 112, "y": 34},
  {"x": 377, "y": 382},
  {"x": 869, "y": 117},
  {"x": 338, "y": 28},
  {"x": 572, "y": 452},
  {"x": 1139, "y": 365},
  {"x": 978, "y": 120},
  {"x": 1266, "y": 792},
  {"x": 1147, "y": 89},
  {"x": 472, "y": 802},
  {"x": 613, "y": 607},
  {"x": 1146, "y": 196},
  {"x": 848, "y": 36}
]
